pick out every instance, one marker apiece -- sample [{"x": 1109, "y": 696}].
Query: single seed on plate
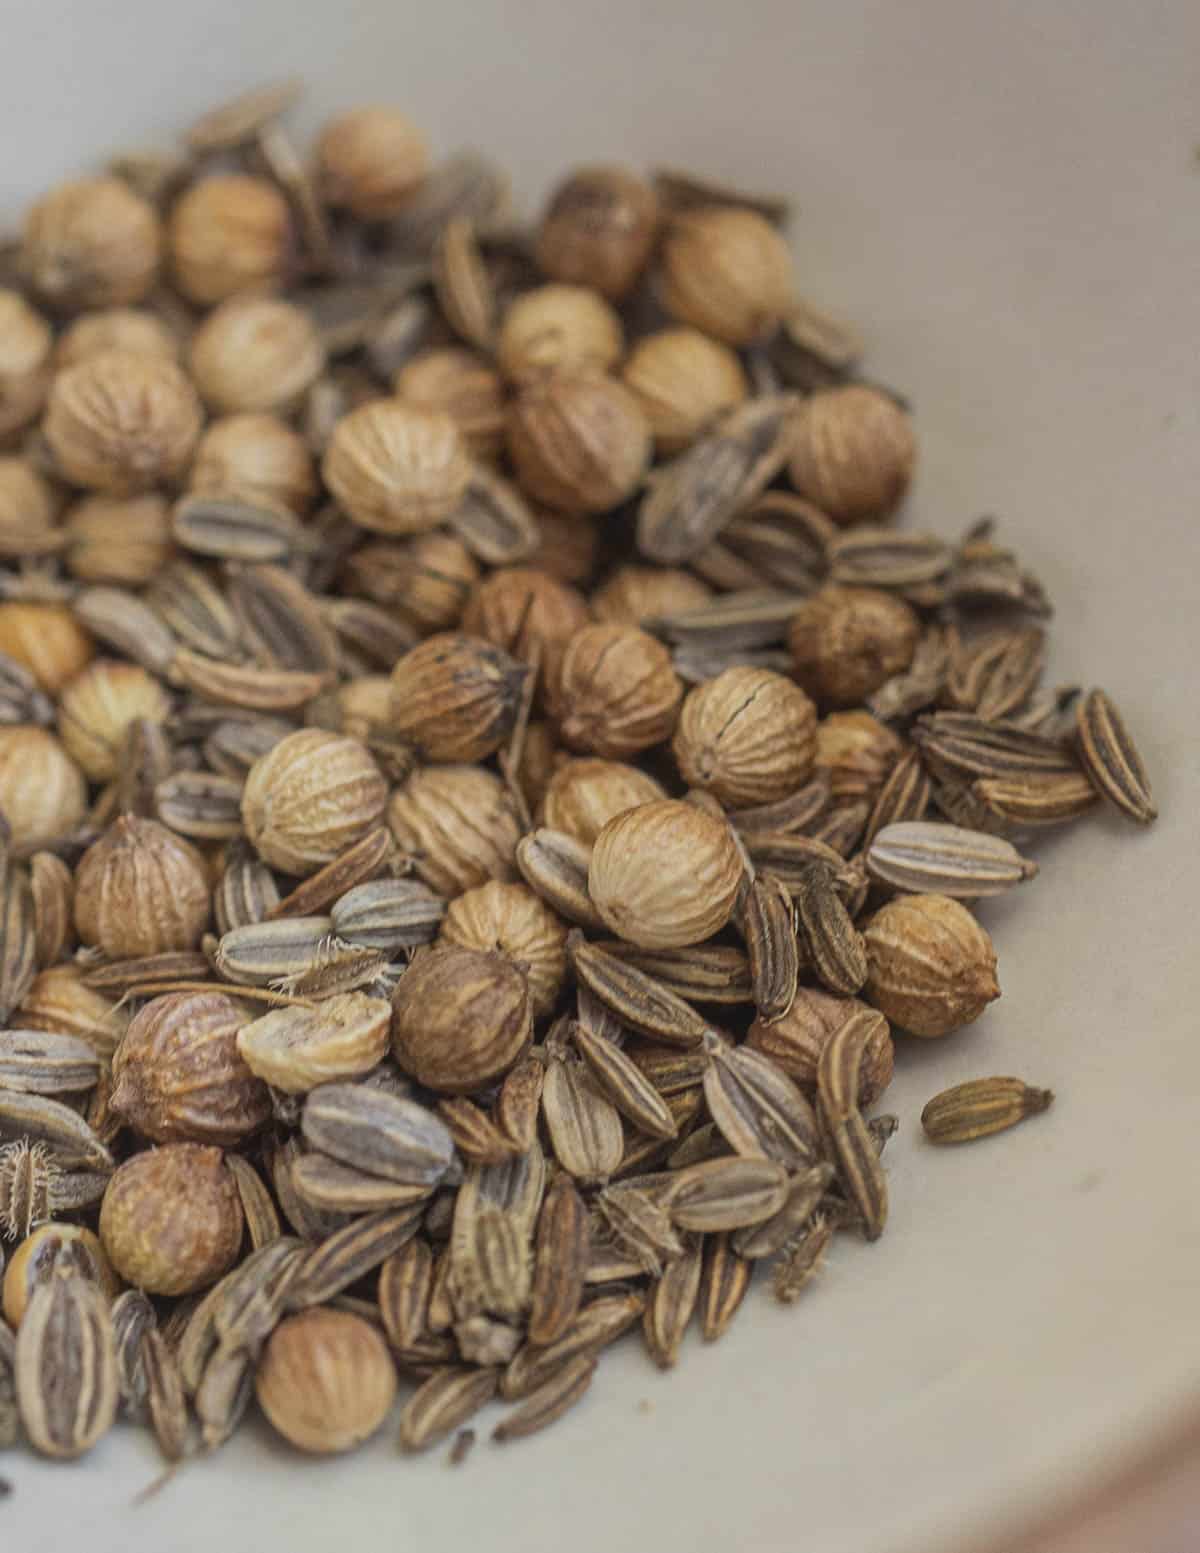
[
  {"x": 1111, "y": 758},
  {"x": 980, "y": 1107}
]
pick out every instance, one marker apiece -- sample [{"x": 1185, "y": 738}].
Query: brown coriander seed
[
  {"x": 617, "y": 692},
  {"x": 26, "y": 348},
  {"x": 229, "y": 233},
  {"x": 584, "y": 793},
  {"x": 540, "y": 757},
  {"x": 256, "y": 458},
  {"x": 684, "y": 381},
  {"x": 665, "y": 875},
  {"x": 46, "y": 639},
  {"x": 845, "y": 642},
  {"x": 179, "y": 1076},
  {"x": 255, "y": 353},
  {"x": 310, "y": 797},
  {"x": 579, "y": 442},
  {"x": 122, "y": 422},
  {"x": 598, "y": 230},
  {"x": 857, "y": 752},
  {"x": 462, "y": 384},
  {"x": 527, "y": 614},
  {"x": 457, "y": 825},
  {"x": 96, "y": 708},
  {"x": 636, "y": 593},
  {"x": 171, "y": 1220},
  {"x": 749, "y": 736},
  {"x": 932, "y": 966},
  {"x": 326, "y": 1381},
  {"x": 122, "y": 540},
  {"x": 396, "y": 469},
  {"x": 727, "y": 272},
  {"x": 460, "y": 1018},
  {"x": 511, "y": 920},
  {"x": 558, "y": 329},
  {"x": 141, "y": 890},
  {"x": 115, "y": 328},
  {"x": 92, "y": 243},
  {"x": 455, "y": 697},
  {"x": 28, "y": 508},
  {"x": 370, "y": 161},
  {"x": 853, "y": 452},
  {"x": 43, "y": 793}
]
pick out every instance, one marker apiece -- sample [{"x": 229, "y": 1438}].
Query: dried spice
[{"x": 484, "y": 786}]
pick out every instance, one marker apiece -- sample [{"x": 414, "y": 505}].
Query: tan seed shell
[
  {"x": 66, "y": 1368},
  {"x": 1111, "y": 758},
  {"x": 441, "y": 1403},
  {"x": 981, "y": 1107}
]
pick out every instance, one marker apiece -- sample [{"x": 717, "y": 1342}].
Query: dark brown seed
[
  {"x": 981, "y": 1107},
  {"x": 549, "y": 1402},
  {"x": 348, "y": 1254},
  {"x": 724, "y": 1282},
  {"x": 670, "y": 1307},
  {"x": 165, "y": 1396},
  {"x": 771, "y": 944},
  {"x": 447, "y": 1399},
  {"x": 625, "y": 1085},
  {"x": 560, "y": 1259},
  {"x": 835, "y": 947},
  {"x": 405, "y": 1282},
  {"x": 637, "y": 999},
  {"x": 1111, "y": 759}
]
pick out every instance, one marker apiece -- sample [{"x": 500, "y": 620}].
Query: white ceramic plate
[{"x": 1007, "y": 198}]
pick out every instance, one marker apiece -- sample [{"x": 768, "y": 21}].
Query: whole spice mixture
[{"x": 482, "y": 784}]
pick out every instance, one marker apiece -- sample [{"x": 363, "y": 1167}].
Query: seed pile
[{"x": 481, "y": 783}]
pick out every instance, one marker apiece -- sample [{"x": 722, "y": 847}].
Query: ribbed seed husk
[
  {"x": 670, "y": 1306},
  {"x": 442, "y": 1403},
  {"x": 981, "y": 1107},
  {"x": 1111, "y": 758},
  {"x": 66, "y": 1367},
  {"x": 549, "y": 1402},
  {"x": 727, "y": 1194},
  {"x": 378, "y": 1133},
  {"x": 945, "y": 860},
  {"x": 560, "y": 1260},
  {"x": 760, "y": 1111},
  {"x": 773, "y": 950},
  {"x": 724, "y": 1283}
]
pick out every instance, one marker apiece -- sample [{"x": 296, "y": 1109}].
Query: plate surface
[{"x": 1007, "y": 199}]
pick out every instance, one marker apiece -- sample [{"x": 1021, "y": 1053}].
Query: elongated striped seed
[
  {"x": 560, "y": 1260},
  {"x": 245, "y": 893},
  {"x": 329, "y": 1185},
  {"x": 549, "y": 1402},
  {"x": 904, "y": 796},
  {"x": 165, "y": 1396},
  {"x": 727, "y": 1194},
  {"x": 261, "y": 1215},
  {"x": 946, "y": 860},
  {"x": 584, "y": 1126},
  {"x": 349, "y": 1253},
  {"x": 771, "y": 944},
  {"x": 405, "y": 1281},
  {"x": 671, "y": 1305},
  {"x": 232, "y": 530},
  {"x": 120, "y": 977},
  {"x": 252, "y": 1295},
  {"x": 804, "y": 1198},
  {"x": 704, "y": 973},
  {"x": 555, "y": 866},
  {"x": 200, "y": 805},
  {"x": 388, "y": 914},
  {"x": 835, "y": 946},
  {"x": 354, "y": 866},
  {"x": 600, "y": 1322},
  {"x": 724, "y": 1283},
  {"x": 1111, "y": 758},
  {"x": 132, "y": 1315},
  {"x": 494, "y": 520},
  {"x": 637, "y": 999},
  {"x": 854, "y": 1149},
  {"x": 122, "y": 621},
  {"x": 66, "y": 1367},
  {"x": 625, "y": 1085},
  {"x": 41, "y": 1062},
  {"x": 760, "y": 1111},
  {"x": 52, "y": 893},
  {"x": 260, "y": 953},
  {"x": 961, "y": 744},
  {"x": 223, "y": 1395},
  {"x": 40, "y": 1118},
  {"x": 476, "y": 1136},
  {"x": 1037, "y": 800},
  {"x": 260, "y": 690},
  {"x": 282, "y": 621},
  {"x": 518, "y": 1105},
  {"x": 981, "y": 1107},
  {"x": 378, "y": 1133},
  {"x": 443, "y": 1402},
  {"x": 640, "y": 1225},
  {"x": 491, "y": 1239},
  {"x": 786, "y": 815}
]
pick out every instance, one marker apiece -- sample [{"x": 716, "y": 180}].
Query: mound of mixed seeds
[{"x": 481, "y": 783}]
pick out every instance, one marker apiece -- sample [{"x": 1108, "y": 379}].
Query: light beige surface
[{"x": 1007, "y": 198}]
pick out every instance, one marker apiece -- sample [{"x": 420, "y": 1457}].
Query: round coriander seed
[
  {"x": 665, "y": 875},
  {"x": 749, "y": 736},
  {"x": 326, "y": 1381},
  {"x": 171, "y": 1220}
]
